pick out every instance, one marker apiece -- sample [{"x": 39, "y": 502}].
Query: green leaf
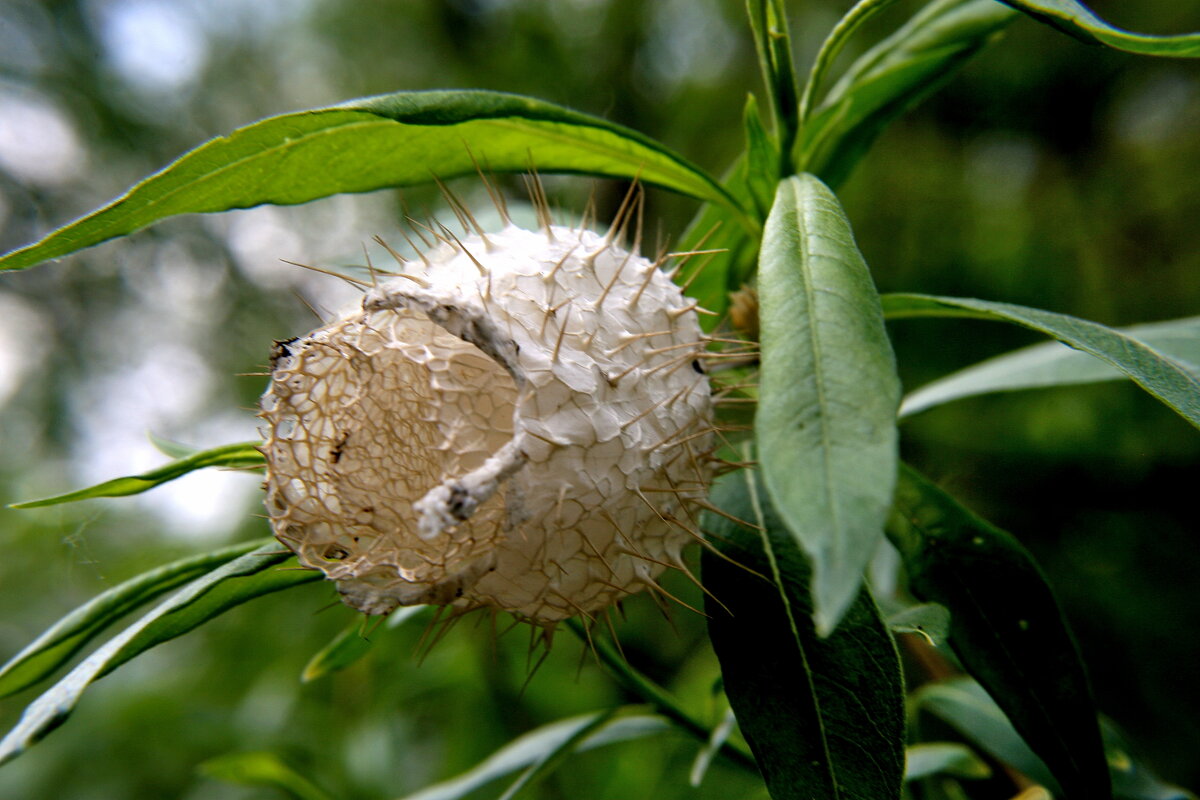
[
  {"x": 729, "y": 249},
  {"x": 659, "y": 699},
  {"x": 730, "y": 246},
  {"x": 1055, "y": 364},
  {"x": 892, "y": 77},
  {"x": 833, "y": 45},
  {"x": 1176, "y": 384},
  {"x": 169, "y": 447},
  {"x": 67, "y": 636},
  {"x": 931, "y": 620},
  {"x": 761, "y": 173},
  {"x": 1076, "y": 19},
  {"x": 710, "y": 278},
  {"x": 543, "y": 742},
  {"x": 824, "y": 716},
  {"x": 551, "y": 760},
  {"x": 230, "y": 456},
  {"x": 1133, "y": 780},
  {"x": 716, "y": 740},
  {"x": 772, "y": 42},
  {"x": 264, "y": 770},
  {"x": 347, "y": 647},
  {"x": 377, "y": 142},
  {"x": 351, "y": 644},
  {"x": 826, "y": 421},
  {"x": 964, "y": 705},
  {"x": 1005, "y": 627},
  {"x": 951, "y": 758},
  {"x": 228, "y": 586}
]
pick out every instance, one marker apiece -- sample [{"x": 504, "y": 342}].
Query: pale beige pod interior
[{"x": 521, "y": 422}]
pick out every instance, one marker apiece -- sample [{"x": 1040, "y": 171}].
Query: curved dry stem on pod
[
  {"x": 447, "y": 309},
  {"x": 457, "y": 498}
]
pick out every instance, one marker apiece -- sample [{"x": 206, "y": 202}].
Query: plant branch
[{"x": 656, "y": 696}]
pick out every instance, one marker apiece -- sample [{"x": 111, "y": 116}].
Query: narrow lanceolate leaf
[
  {"x": 265, "y": 770},
  {"x": 65, "y": 638},
  {"x": 1006, "y": 628},
  {"x": 353, "y": 643},
  {"x": 891, "y": 77},
  {"x": 823, "y": 715},
  {"x": 551, "y": 760},
  {"x": 1175, "y": 383},
  {"x": 826, "y": 422},
  {"x": 1133, "y": 780},
  {"x": 656, "y": 696},
  {"x": 543, "y": 743},
  {"x": 833, "y": 45},
  {"x": 728, "y": 248},
  {"x": 716, "y": 740},
  {"x": 171, "y": 448},
  {"x": 967, "y": 707},
  {"x": 768, "y": 23},
  {"x": 1054, "y": 364},
  {"x": 930, "y": 620},
  {"x": 230, "y": 456},
  {"x": 1076, "y": 19},
  {"x": 762, "y": 160},
  {"x": 230, "y": 585},
  {"x": 964, "y": 704},
  {"x": 951, "y": 758},
  {"x": 347, "y": 647},
  {"x": 376, "y": 142}
]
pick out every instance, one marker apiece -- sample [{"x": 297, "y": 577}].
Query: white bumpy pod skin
[{"x": 521, "y": 422}]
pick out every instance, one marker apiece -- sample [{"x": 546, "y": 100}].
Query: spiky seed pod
[{"x": 520, "y": 422}]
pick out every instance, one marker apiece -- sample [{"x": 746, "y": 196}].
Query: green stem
[{"x": 655, "y": 695}]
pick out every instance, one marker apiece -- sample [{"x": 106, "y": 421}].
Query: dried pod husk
[{"x": 521, "y": 421}]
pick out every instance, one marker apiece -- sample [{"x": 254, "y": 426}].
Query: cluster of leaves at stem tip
[{"x": 815, "y": 683}]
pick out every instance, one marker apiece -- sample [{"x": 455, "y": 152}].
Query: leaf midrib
[
  {"x": 810, "y": 300},
  {"x": 809, "y": 295}
]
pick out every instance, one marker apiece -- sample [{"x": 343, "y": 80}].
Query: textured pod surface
[{"x": 521, "y": 421}]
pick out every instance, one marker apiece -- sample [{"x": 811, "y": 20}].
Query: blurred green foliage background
[{"x": 1048, "y": 173}]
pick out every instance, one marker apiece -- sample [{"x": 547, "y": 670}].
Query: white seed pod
[{"x": 521, "y": 422}]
